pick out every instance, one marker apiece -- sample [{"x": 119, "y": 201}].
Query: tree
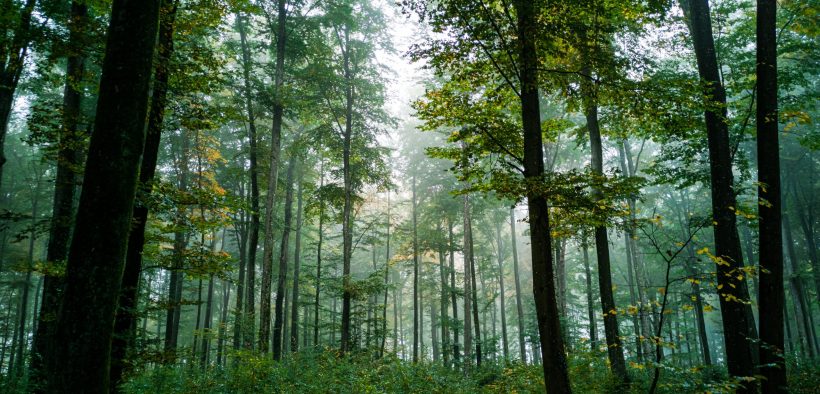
[
  {"x": 96, "y": 256},
  {"x": 771, "y": 299}
]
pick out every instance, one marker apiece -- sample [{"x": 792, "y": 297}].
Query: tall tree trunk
[
  {"x": 12, "y": 62},
  {"x": 801, "y": 305},
  {"x": 223, "y": 323},
  {"x": 273, "y": 181},
  {"x": 773, "y": 364},
  {"x": 206, "y": 326},
  {"x": 468, "y": 287},
  {"x": 243, "y": 328},
  {"x": 613, "y": 340},
  {"x": 68, "y": 164},
  {"x": 736, "y": 325},
  {"x": 126, "y": 317},
  {"x": 97, "y": 255},
  {"x": 319, "y": 255},
  {"x": 478, "y": 354},
  {"x": 279, "y": 319},
  {"x": 347, "y": 221},
  {"x": 501, "y": 292},
  {"x": 593, "y": 327},
  {"x": 445, "y": 321},
  {"x": 386, "y": 283},
  {"x": 549, "y": 326},
  {"x": 415, "y": 277},
  {"x": 453, "y": 297},
  {"x": 297, "y": 254},
  {"x": 519, "y": 305}
]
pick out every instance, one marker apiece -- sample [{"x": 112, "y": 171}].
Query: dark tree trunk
[
  {"x": 478, "y": 354},
  {"x": 519, "y": 306},
  {"x": 445, "y": 321},
  {"x": 801, "y": 305},
  {"x": 68, "y": 163},
  {"x": 501, "y": 292},
  {"x": 97, "y": 255},
  {"x": 244, "y": 326},
  {"x": 319, "y": 256},
  {"x": 347, "y": 222},
  {"x": 736, "y": 324},
  {"x": 297, "y": 253},
  {"x": 593, "y": 327},
  {"x": 223, "y": 323},
  {"x": 273, "y": 181},
  {"x": 468, "y": 287},
  {"x": 386, "y": 283},
  {"x": 613, "y": 339},
  {"x": 453, "y": 297},
  {"x": 772, "y": 297},
  {"x": 279, "y": 319},
  {"x": 126, "y": 318},
  {"x": 549, "y": 326}
]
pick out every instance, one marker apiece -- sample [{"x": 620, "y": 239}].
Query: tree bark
[
  {"x": 297, "y": 253},
  {"x": 549, "y": 326},
  {"x": 415, "y": 277},
  {"x": 772, "y": 295},
  {"x": 453, "y": 297},
  {"x": 347, "y": 222},
  {"x": 468, "y": 287},
  {"x": 97, "y": 254},
  {"x": 319, "y": 255},
  {"x": 505, "y": 344},
  {"x": 279, "y": 319},
  {"x": 736, "y": 325},
  {"x": 68, "y": 165},
  {"x": 273, "y": 181},
  {"x": 519, "y": 306}
]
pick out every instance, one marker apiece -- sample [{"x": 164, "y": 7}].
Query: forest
[{"x": 409, "y": 196}]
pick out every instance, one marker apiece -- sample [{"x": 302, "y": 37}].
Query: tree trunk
[
  {"x": 279, "y": 319},
  {"x": 68, "y": 163},
  {"x": 126, "y": 317},
  {"x": 468, "y": 287},
  {"x": 801, "y": 305},
  {"x": 519, "y": 306},
  {"x": 347, "y": 222},
  {"x": 273, "y": 181},
  {"x": 415, "y": 278},
  {"x": 97, "y": 255},
  {"x": 505, "y": 345},
  {"x": 549, "y": 326},
  {"x": 453, "y": 297},
  {"x": 593, "y": 328},
  {"x": 613, "y": 340},
  {"x": 223, "y": 323},
  {"x": 770, "y": 305},
  {"x": 478, "y": 355},
  {"x": 386, "y": 283},
  {"x": 244, "y": 325},
  {"x": 736, "y": 325},
  {"x": 445, "y": 321},
  {"x": 319, "y": 255},
  {"x": 297, "y": 253}
]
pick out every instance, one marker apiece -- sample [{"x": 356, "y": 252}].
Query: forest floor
[{"x": 326, "y": 372}]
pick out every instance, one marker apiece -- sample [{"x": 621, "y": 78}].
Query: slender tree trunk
[
  {"x": 273, "y": 177},
  {"x": 505, "y": 344},
  {"x": 279, "y": 319},
  {"x": 773, "y": 364},
  {"x": 386, "y": 283},
  {"x": 223, "y": 323},
  {"x": 801, "y": 305},
  {"x": 613, "y": 340},
  {"x": 445, "y": 321},
  {"x": 453, "y": 297},
  {"x": 549, "y": 326},
  {"x": 478, "y": 355},
  {"x": 468, "y": 287},
  {"x": 97, "y": 255},
  {"x": 593, "y": 328},
  {"x": 736, "y": 325},
  {"x": 347, "y": 222},
  {"x": 519, "y": 306},
  {"x": 319, "y": 255},
  {"x": 297, "y": 253},
  {"x": 68, "y": 164},
  {"x": 206, "y": 326},
  {"x": 244, "y": 326},
  {"x": 415, "y": 278}
]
